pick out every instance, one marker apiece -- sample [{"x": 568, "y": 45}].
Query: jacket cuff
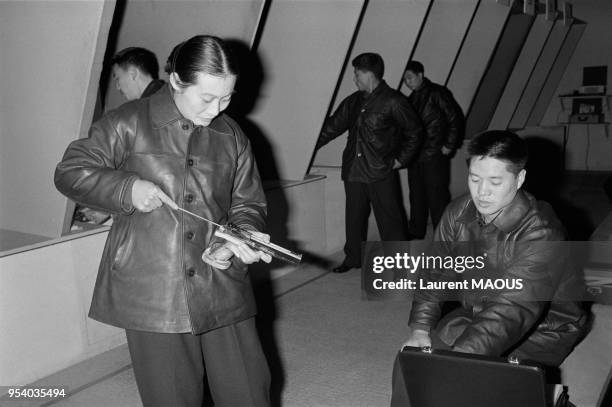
[
  {"x": 422, "y": 327},
  {"x": 125, "y": 198}
]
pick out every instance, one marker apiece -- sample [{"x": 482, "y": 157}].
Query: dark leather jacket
[
  {"x": 382, "y": 127},
  {"x": 442, "y": 117},
  {"x": 151, "y": 276},
  {"x": 152, "y": 87},
  {"x": 518, "y": 244}
]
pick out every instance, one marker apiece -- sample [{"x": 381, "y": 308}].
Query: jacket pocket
[{"x": 124, "y": 244}]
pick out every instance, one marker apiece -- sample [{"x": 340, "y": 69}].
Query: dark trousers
[
  {"x": 428, "y": 182},
  {"x": 171, "y": 369},
  {"x": 385, "y": 198}
]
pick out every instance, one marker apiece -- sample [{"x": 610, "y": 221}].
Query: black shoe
[
  {"x": 343, "y": 268},
  {"x": 414, "y": 237}
]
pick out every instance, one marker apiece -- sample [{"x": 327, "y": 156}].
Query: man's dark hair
[
  {"x": 140, "y": 58},
  {"x": 500, "y": 144},
  {"x": 370, "y": 62},
  {"x": 201, "y": 54},
  {"x": 415, "y": 66}
]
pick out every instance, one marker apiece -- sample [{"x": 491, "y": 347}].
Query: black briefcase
[{"x": 436, "y": 378}]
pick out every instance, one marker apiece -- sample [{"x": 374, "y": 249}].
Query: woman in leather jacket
[{"x": 182, "y": 295}]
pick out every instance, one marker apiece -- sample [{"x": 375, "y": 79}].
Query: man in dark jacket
[
  {"x": 136, "y": 73},
  {"x": 136, "y": 76},
  {"x": 532, "y": 310},
  {"x": 429, "y": 175},
  {"x": 384, "y": 134}
]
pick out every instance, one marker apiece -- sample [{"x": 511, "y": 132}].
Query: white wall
[
  {"x": 476, "y": 51},
  {"x": 444, "y": 29},
  {"x": 520, "y": 74},
  {"x": 45, "y": 77},
  {"x": 44, "y": 300},
  {"x": 539, "y": 74},
  {"x": 159, "y": 25},
  {"x": 303, "y": 46},
  {"x": 389, "y": 28}
]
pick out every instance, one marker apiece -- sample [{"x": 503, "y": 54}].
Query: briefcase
[{"x": 437, "y": 378}]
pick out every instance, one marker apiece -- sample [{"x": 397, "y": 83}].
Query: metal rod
[{"x": 197, "y": 216}]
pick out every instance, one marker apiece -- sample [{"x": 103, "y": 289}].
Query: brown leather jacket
[
  {"x": 151, "y": 275},
  {"x": 521, "y": 243}
]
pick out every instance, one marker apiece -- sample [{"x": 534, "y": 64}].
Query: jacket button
[
  {"x": 189, "y": 235},
  {"x": 191, "y": 272},
  {"x": 185, "y": 126},
  {"x": 189, "y": 198},
  {"x": 190, "y": 162}
]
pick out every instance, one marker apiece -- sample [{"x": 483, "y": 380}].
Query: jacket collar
[
  {"x": 164, "y": 112},
  {"x": 382, "y": 86},
  {"x": 509, "y": 218},
  {"x": 152, "y": 87},
  {"x": 424, "y": 85},
  {"x": 163, "y": 108}
]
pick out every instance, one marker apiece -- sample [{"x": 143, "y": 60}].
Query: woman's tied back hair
[{"x": 201, "y": 54}]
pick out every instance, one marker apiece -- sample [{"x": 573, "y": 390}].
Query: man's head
[
  {"x": 497, "y": 161},
  {"x": 413, "y": 76},
  {"x": 133, "y": 69},
  {"x": 369, "y": 71}
]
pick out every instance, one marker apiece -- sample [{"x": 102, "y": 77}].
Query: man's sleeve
[
  {"x": 508, "y": 314},
  {"x": 412, "y": 130},
  {"x": 336, "y": 124},
  {"x": 427, "y": 304},
  {"x": 455, "y": 118},
  {"x": 90, "y": 172}
]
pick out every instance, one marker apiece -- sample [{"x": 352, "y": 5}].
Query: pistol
[{"x": 237, "y": 235}]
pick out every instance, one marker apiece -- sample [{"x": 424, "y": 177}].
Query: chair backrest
[{"x": 443, "y": 378}]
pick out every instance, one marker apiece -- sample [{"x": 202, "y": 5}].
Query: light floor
[{"x": 330, "y": 348}]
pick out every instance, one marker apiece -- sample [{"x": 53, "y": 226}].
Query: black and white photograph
[{"x": 305, "y": 203}]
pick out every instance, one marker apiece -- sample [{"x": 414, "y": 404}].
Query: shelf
[
  {"x": 585, "y": 95},
  {"x": 588, "y": 100},
  {"x": 570, "y": 123}
]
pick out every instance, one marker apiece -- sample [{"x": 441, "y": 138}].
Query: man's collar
[
  {"x": 424, "y": 84},
  {"x": 379, "y": 88},
  {"x": 152, "y": 87},
  {"x": 507, "y": 220}
]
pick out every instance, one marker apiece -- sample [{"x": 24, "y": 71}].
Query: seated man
[{"x": 539, "y": 319}]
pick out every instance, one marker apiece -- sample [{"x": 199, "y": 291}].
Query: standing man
[
  {"x": 136, "y": 73},
  {"x": 429, "y": 175},
  {"x": 384, "y": 133},
  {"x": 136, "y": 76}
]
